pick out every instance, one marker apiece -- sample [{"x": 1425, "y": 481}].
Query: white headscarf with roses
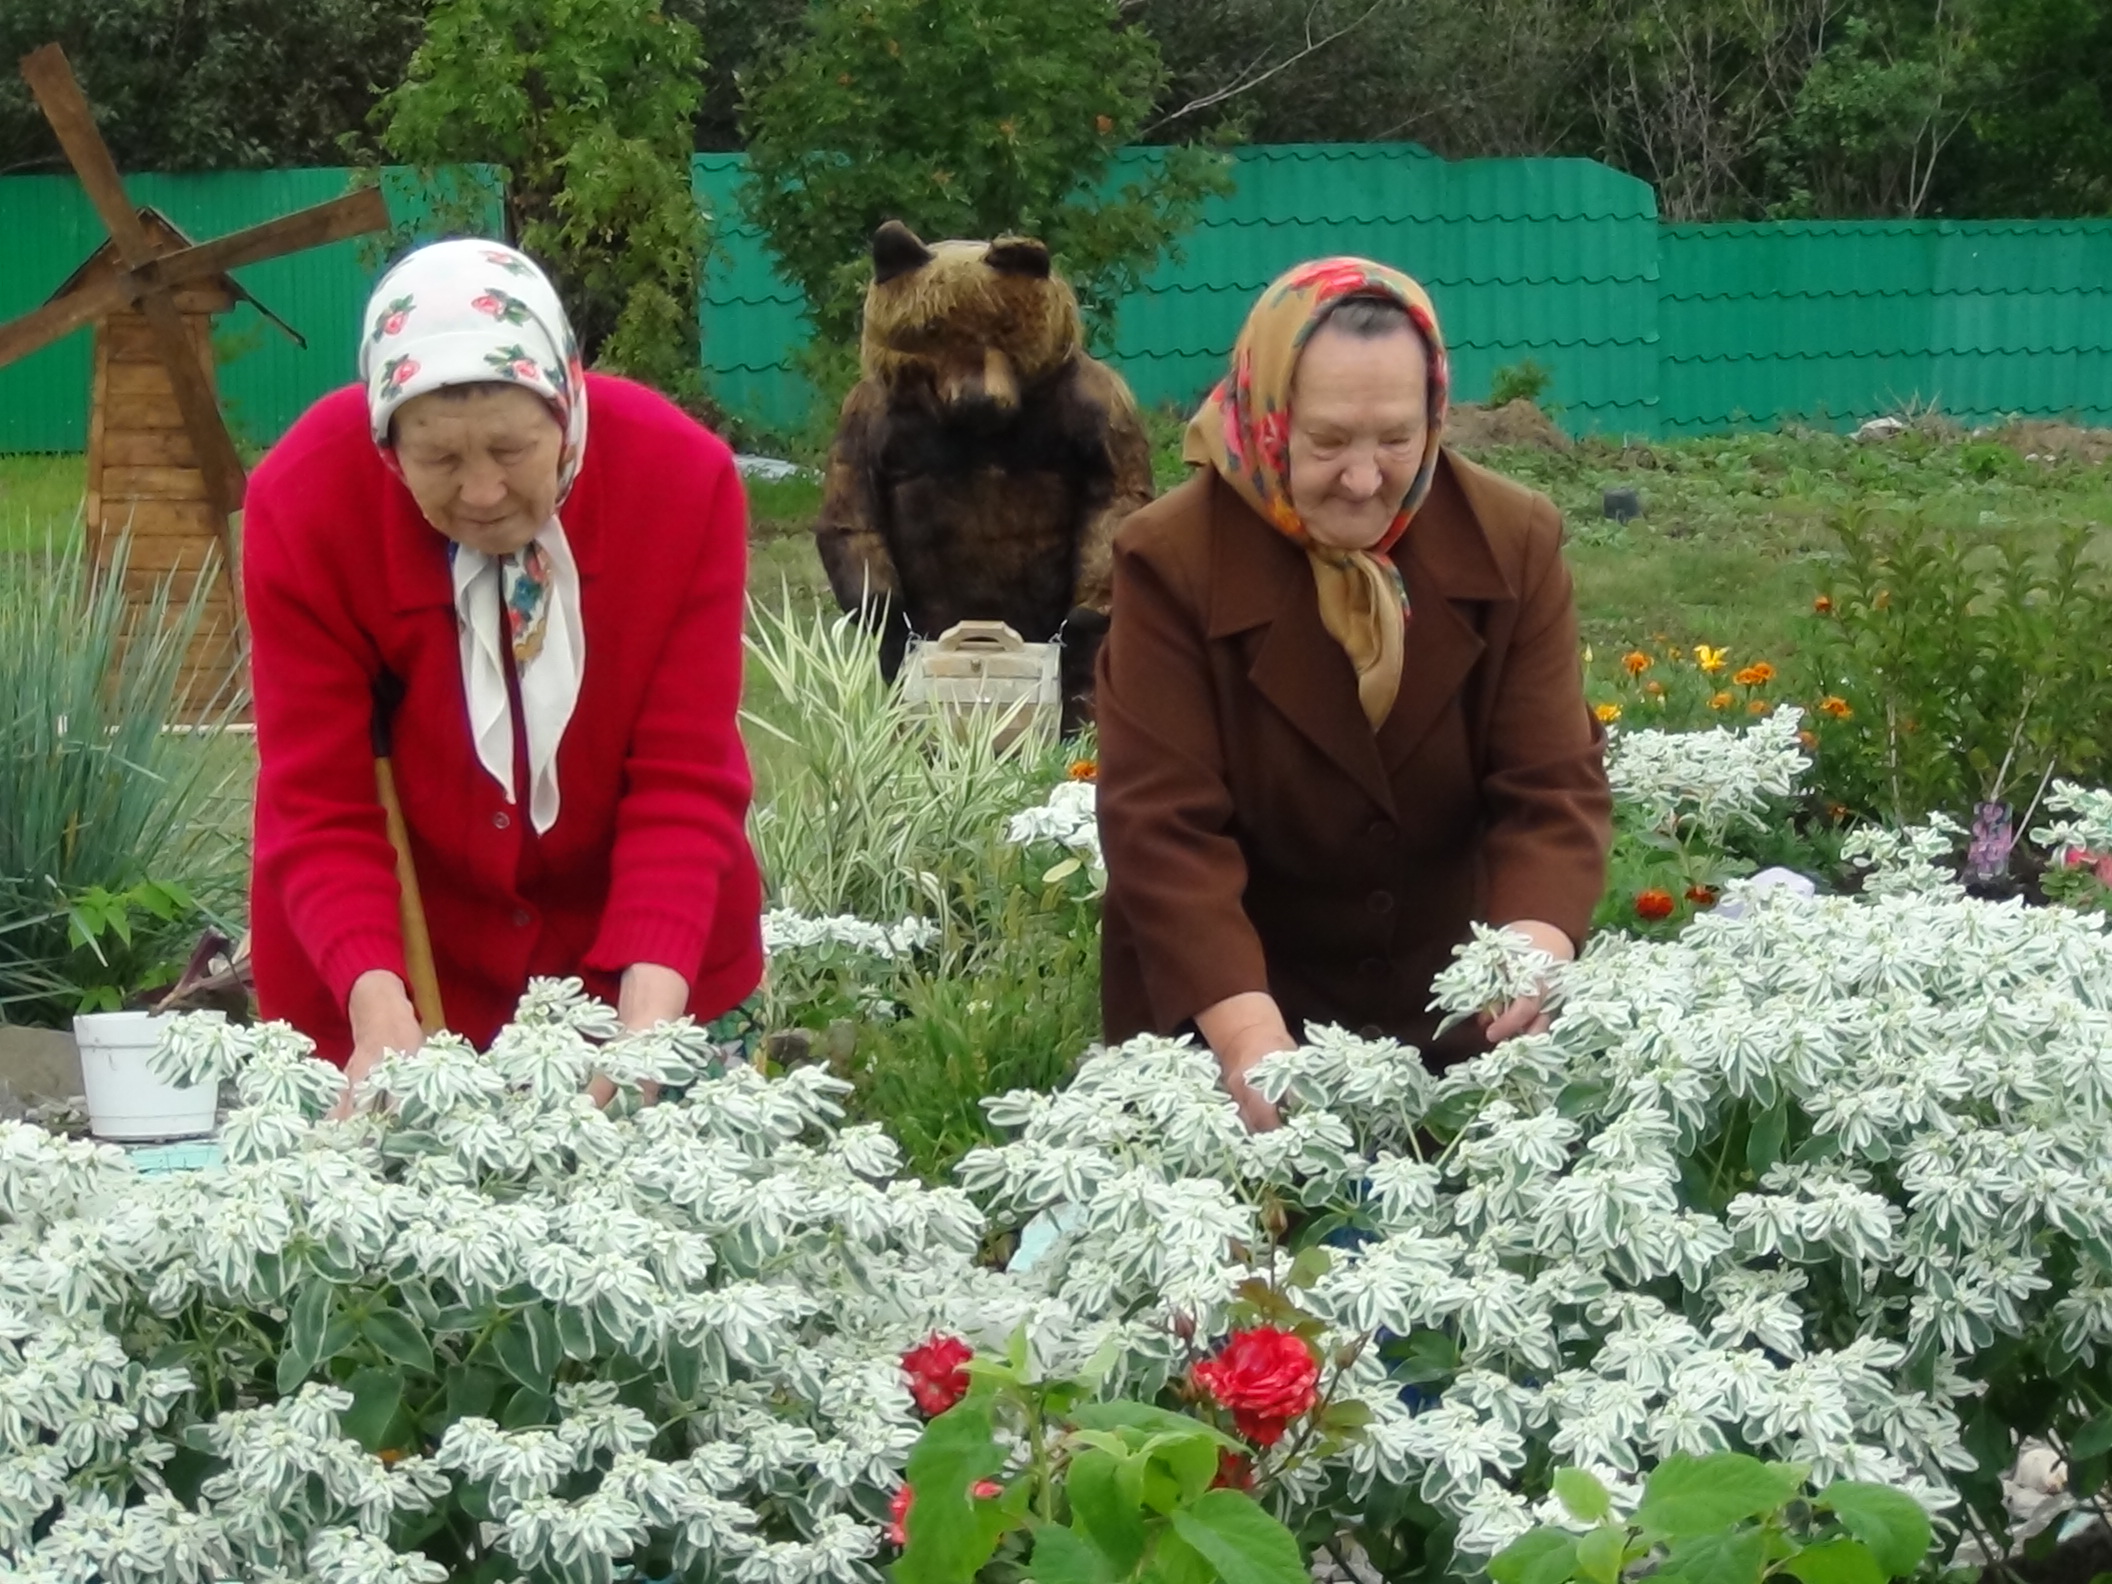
[{"x": 473, "y": 313}]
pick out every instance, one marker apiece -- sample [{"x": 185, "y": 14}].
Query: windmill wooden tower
[{"x": 162, "y": 467}]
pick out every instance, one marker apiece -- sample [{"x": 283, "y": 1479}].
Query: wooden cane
[{"x": 417, "y": 942}]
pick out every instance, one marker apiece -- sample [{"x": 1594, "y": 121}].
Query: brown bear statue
[{"x": 983, "y": 462}]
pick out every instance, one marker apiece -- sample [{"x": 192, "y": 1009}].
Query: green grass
[{"x": 1733, "y": 543}]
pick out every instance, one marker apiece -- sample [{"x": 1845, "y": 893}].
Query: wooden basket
[{"x": 982, "y": 668}]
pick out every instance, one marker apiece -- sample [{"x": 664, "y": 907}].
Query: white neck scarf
[{"x": 549, "y": 683}]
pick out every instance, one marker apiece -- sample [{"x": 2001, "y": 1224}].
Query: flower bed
[{"x": 1826, "y": 1179}]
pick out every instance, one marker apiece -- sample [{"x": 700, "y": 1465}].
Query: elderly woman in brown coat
[{"x": 1341, "y": 708}]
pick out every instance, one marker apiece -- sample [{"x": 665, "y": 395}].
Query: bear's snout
[{"x": 991, "y": 389}]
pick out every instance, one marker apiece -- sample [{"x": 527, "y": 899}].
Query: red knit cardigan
[{"x": 649, "y": 860}]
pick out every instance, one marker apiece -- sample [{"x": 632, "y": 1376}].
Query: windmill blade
[
  {"x": 355, "y": 214},
  {"x": 61, "y": 317},
  {"x": 51, "y": 79}
]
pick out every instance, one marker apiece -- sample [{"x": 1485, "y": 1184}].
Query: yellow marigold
[
  {"x": 1758, "y": 674},
  {"x": 1607, "y": 713},
  {"x": 1710, "y": 660},
  {"x": 1835, "y": 706},
  {"x": 1636, "y": 661},
  {"x": 1721, "y": 701}
]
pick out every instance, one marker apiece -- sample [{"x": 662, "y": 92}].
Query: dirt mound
[
  {"x": 2030, "y": 437},
  {"x": 1474, "y": 427}
]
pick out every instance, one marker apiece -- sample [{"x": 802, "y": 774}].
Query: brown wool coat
[{"x": 1259, "y": 835}]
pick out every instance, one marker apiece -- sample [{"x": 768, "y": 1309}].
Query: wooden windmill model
[{"x": 161, "y": 464}]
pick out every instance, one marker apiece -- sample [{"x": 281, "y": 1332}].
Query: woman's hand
[
  {"x": 1524, "y": 1015},
  {"x": 1241, "y": 1030},
  {"x": 651, "y": 995},
  {"x": 383, "y": 1020}
]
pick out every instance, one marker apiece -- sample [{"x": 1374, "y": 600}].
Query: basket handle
[{"x": 992, "y": 635}]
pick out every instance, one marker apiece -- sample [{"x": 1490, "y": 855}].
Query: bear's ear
[
  {"x": 1019, "y": 256},
  {"x": 896, "y": 251}
]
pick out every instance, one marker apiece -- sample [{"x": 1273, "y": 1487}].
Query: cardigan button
[
  {"x": 1381, "y": 834},
  {"x": 501, "y": 820},
  {"x": 1379, "y": 902},
  {"x": 522, "y": 918}
]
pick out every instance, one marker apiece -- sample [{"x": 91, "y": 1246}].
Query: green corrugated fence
[
  {"x": 1647, "y": 329},
  {"x": 47, "y": 227}
]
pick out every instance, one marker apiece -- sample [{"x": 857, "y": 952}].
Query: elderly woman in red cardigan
[{"x": 560, "y": 626}]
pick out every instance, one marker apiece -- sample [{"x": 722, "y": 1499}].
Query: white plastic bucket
[{"x": 127, "y": 1104}]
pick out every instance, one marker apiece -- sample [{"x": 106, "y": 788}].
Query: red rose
[
  {"x": 1235, "y": 1471},
  {"x": 1266, "y": 1377},
  {"x": 936, "y": 1378},
  {"x": 905, "y": 1498},
  {"x": 1654, "y": 905}
]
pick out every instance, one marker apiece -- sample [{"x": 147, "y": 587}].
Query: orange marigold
[
  {"x": 1758, "y": 674},
  {"x": 1809, "y": 741},
  {"x": 1721, "y": 701},
  {"x": 1084, "y": 770},
  {"x": 1654, "y": 689},
  {"x": 1836, "y": 706},
  {"x": 1760, "y": 707},
  {"x": 1654, "y": 905},
  {"x": 1701, "y": 895},
  {"x": 1636, "y": 661},
  {"x": 1823, "y": 605}
]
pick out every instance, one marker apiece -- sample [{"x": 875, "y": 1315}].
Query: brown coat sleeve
[
  {"x": 1175, "y": 872},
  {"x": 1543, "y": 784}
]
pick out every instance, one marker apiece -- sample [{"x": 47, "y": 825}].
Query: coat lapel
[
  {"x": 1449, "y": 569},
  {"x": 1261, "y": 579}
]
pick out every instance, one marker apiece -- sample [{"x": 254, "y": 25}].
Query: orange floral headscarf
[{"x": 1243, "y": 431}]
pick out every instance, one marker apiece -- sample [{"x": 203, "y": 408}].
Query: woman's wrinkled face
[
  {"x": 1360, "y": 414},
  {"x": 482, "y": 464}
]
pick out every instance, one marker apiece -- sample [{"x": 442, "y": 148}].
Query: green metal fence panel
[
  {"x": 1835, "y": 322},
  {"x": 266, "y": 379},
  {"x": 1552, "y": 260},
  {"x": 1645, "y": 328}
]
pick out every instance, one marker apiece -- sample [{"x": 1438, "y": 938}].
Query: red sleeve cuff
[
  {"x": 645, "y": 934},
  {"x": 360, "y": 952}
]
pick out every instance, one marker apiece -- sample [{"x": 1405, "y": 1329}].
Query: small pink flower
[
  {"x": 402, "y": 371},
  {"x": 526, "y": 369},
  {"x": 2104, "y": 869},
  {"x": 488, "y": 304}
]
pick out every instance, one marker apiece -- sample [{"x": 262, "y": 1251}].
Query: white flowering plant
[
  {"x": 486, "y": 1332},
  {"x": 1694, "y": 810}
]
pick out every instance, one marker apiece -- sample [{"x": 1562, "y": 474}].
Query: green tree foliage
[
  {"x": 965, "y": 118},
  {"x": 183, "y": 85},
  {"x": 588, "y": 105}
]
